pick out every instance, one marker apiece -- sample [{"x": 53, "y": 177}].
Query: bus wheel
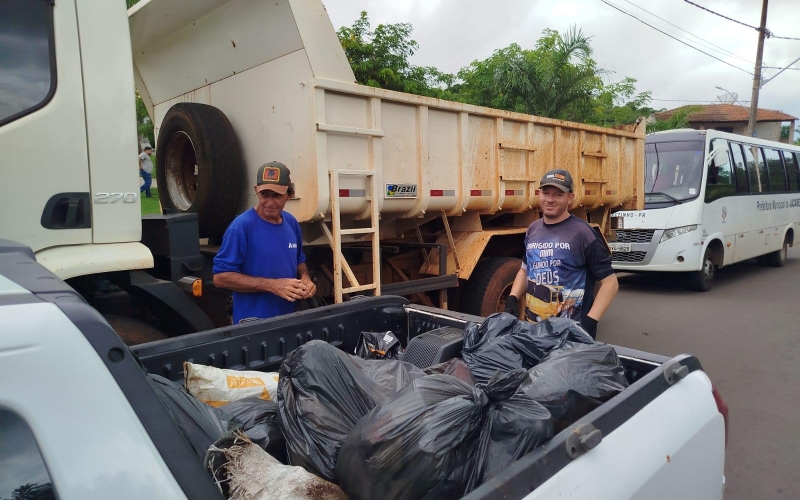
[
  {"x": 778, "y": 257},
  {"x": 703, "y": 279},
  {"x": 489, "y": 286}
]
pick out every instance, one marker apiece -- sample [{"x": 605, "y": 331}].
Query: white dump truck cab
[{"x": 67, "y": 133}]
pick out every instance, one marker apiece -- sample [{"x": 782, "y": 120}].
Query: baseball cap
[
  {"x": 273, "y": 175},
  {"x": 558, "y": 178}
]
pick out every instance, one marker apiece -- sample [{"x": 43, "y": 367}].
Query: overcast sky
[{"x": 453, "y": 33}]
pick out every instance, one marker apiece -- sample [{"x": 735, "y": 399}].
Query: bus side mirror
[{"x": 719, "y": 156}]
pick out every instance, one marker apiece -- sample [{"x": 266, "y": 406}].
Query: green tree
[
  {"x": 618, "y": 104},
  {"x": 556, "y": 79},
  {"x": 144, "y": 125},
  {"x": 380, "y": 58},
  {"x": 678, "y": 119}
]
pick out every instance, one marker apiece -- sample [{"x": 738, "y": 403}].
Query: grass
[{"x": 151, "y": 205}]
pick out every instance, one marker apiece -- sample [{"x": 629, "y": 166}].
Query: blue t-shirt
[
  {"x": 255, "y": 247},
  {"x": 563, "y": 261}
]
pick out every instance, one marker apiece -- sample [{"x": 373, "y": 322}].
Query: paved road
[{"x": 745, "y": 332}]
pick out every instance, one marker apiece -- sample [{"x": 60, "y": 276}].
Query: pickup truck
[{"x": 79, "y": 419}]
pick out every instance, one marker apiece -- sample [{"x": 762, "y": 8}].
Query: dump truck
[{"x": 396, "y": 193}]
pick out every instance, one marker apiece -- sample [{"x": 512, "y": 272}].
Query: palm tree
[{"x": 556, "y": 79}]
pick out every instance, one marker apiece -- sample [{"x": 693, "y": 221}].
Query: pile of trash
[{"x": 370, "y": 425}]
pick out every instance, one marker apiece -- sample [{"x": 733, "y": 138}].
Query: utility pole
[{"x": 762, "y": 31}]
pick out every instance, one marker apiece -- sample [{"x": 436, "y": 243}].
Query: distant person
[
  {"x": 146, "y": 170},
  {"x": 261, "y": 259},
  {"x": 564, "y": 259}
]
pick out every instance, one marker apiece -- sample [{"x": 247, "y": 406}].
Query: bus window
[
  {"x": 720, "y": 177},
  {"x": 791, "y": 171},
  {"x": 777, "y": 176},
  {"x": 742, "y": 186},
  {"x": 759, "y": 179},
  {"x": 674, "y": 169}
]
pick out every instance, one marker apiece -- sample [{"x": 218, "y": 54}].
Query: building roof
[{"x": 728, "y": 113}]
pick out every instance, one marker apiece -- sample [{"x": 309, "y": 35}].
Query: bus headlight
[{"x": 677, "y": 231}]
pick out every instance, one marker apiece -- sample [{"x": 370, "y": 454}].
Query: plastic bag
[
  {"x": 574, "y": 380},
  {"x": 503, "y": 342},
  {"x": 455, "y": 367},
  {"x": 252, "y": 474},
  {"x": 378, "y": 345},
  {"x": 322, "y": 394},
  {"x": 425, "y": 441},
  {"x": 513, "y": 427},
  {"x": 200, "y": 423},
  {"x": 218, "y": 386},
  {"x": 259, "y": 421}
]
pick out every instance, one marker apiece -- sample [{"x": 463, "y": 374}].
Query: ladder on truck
[{"x": 341, "y": 268}]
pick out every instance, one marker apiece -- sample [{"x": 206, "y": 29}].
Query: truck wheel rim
[
  {"x": 501, "y": 301},
  {"x": 181, "y": 171},
  {"x": 708, "y": 269}
]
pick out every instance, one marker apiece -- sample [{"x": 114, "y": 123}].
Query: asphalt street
[{"x": 745, "y": 332}]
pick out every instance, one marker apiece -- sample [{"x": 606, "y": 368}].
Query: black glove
[
  {"x": 512, "y": 306},
  {"x": 590, "y": 325}
]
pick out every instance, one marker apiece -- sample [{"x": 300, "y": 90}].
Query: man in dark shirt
[{"x": 564, "y": 259}]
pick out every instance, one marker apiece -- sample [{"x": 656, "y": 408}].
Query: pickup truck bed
[
  {"x": 263, "y": 345},
  {"x": 661, "y": 437}
]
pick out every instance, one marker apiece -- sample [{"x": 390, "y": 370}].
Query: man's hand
[
  {"x": 590, "y": 325},
  {"x": 309, "y": 288},
  {"x": 512, "y": 306},
  {"x": 288, "y": 288}
]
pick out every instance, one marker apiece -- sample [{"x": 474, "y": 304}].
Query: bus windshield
[{"x": 673, "y": 171}]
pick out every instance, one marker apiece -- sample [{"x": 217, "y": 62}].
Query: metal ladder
[{"x": 335, "y": 237}]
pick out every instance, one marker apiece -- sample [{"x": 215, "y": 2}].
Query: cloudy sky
[{"x": 452, "y": 33}]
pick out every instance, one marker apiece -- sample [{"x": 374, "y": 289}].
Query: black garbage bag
[
  {"x": 514, "y": 425},
  {"x": 455, "y": 367},
  {"x": 503, "y": 342},
  {"x": 575, "y": 379},
  {"x": 200, "y": 423},
  {"x": 378, "y": 345},
  {"x": 425, "y": 441},
  {"x": 259, "y": 421},
  {"x": 323, "y": 392}
]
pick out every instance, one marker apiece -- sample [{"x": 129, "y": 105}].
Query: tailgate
[{"x": 660, "y": 439}]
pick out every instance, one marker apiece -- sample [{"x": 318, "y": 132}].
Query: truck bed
[
  {"x": 263, "y": 345},
  {"x": 662, "y": 438}
]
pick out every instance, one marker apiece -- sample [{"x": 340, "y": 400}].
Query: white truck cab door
[
  {"x": 43, "y": 157},
  {"x": 110, "y": 107}
]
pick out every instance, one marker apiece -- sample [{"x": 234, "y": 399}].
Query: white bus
[{"x": 711, "y": 199}]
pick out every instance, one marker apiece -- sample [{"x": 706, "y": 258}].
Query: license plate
[{"x": 620, "y": 247}]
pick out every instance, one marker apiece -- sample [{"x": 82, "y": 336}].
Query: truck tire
[
  {"x": 489, "y": 285},
  {"x": 778, "y": 257},
  {"x": 703, "y": 280},
  {"x": 132, "y": 331},
  {"x": 199, "y": 166}
]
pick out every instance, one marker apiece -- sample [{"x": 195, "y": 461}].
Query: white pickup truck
[{"x": 79, "y": 420}]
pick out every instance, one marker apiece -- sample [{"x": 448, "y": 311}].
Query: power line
[
  {"x": 767, "y": 32},
  {"x": 778, "y": 67},
  {"x": 720, "y": 15},
  {"x": 674, "y": 38},
  {"x": 697, "y": 37}
]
